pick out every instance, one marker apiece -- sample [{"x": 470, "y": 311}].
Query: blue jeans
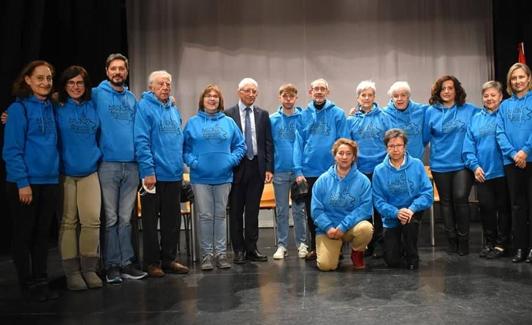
[
  {"x": 281, "y": 185},
  {"x": 211, "y": 204},
  {"x": 119, "y": 182}
]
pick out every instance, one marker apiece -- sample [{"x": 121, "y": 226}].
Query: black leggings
[
  {"x": 31, "y": 230},
  {"x": 495, "y": 211},
  {"x": 520, "y": 188},
  {"x": 454, "y": 188}
]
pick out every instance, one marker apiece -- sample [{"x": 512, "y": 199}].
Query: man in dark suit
[{"x": 249, "y": 176}]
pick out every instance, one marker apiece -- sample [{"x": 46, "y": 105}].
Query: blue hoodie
[
  {"x": 77, "y": 124},
  {"x": 158, "y": 139},
  {"x": 117, "y": 117},
  {"x": 407, "y": 187},
  {"x": 339, "y": 202},
  {"x": 445, "y": 129},
  {"x": 284, "y": 135},
  {"x": 30, "y": 143},
  {"x": 514, "y": 127},
  {"x": 480, "y": 145},
  {"x": 411, "y": 121},
  {"x": 368, "y": 129},
  {"x": 213, "y": 146},
  {"x": 314, "y": 140}
]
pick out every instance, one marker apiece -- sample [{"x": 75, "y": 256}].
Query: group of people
[{"x": 363, "y": 174}]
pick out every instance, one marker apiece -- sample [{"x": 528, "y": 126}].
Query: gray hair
[
  {"x": 158, "y": 74},
  {"x": 397, "y": 86},
  {"x": 366, "y": 84},
  {"x": 318, "y": 81},
  {"x": 491, "y": 84},
  {"x": 247, "y": 81}
]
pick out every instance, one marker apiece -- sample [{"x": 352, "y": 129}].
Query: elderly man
[
  {"x": 401, "y": 192},
  {"x": 322, "y": 124},
  {"x": 159, "y": 152},
  {"x": 249, "y": 176},
  {"x": 118, "y": 171}
]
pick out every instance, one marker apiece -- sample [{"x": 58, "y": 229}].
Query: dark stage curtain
[
  {"x": 63, "y": 32},
  {"x": 512, "y": 23}
]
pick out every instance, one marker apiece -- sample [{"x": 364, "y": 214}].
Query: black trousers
[
  {"x": 310, "y": 221},
  {"x": 163, "y": 205},
  {"x": 520, "y": 188},
  {"x": 454, "y": 188},
  {"x": 402, "y": 240},
  {"x": 31, "y": 229},
  {"x": 495, "y": 211},
  {"x": 244, "y": 203},
  {"x": 377, "y": 238}
]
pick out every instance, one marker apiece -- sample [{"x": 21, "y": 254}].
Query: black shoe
[
  {"x": 239, "y": 257},
  {"x": 519, "y": 256},
  {"x": 529, "y": 257},
  {"x": 485, "y": 251},
  {"x": 311, "y": 256},
  {"x": 495, "y": 253},
  {"x": 256, "y": 256}
]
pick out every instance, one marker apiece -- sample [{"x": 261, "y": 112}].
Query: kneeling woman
[
  {"x": 341, "y": 208},
  {"x": 401, "y": 192}
]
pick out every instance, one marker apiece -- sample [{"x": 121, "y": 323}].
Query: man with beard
[{"x": 118, "y": 171}]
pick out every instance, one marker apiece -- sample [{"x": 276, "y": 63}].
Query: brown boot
[
  {"x": 74, "y": 279},
  {"x": 89, "y": 266}
]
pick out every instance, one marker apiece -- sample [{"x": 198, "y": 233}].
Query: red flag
[{"x": 521, "y": 53}]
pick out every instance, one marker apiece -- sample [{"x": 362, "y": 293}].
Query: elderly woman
[
  {"x": 484, "y": 158},
  {"x": 32, "y": 175},
  {"x": 401, "y": 192},
  {"x": 514, "y": 135},
  {"x": 211, "y": 136},
  {"x": 367, "y": 128},
  {"x": 159, "y": 151},
  {"x": 341, "y": 208},
  {"x": 446, "y": 122},
  {"x": 408, "y": 116},
  {"x": 78, "y": 124}
]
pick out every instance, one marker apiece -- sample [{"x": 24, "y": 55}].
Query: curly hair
[
  {"x": 435, "y": 97},
  {"x": 20, "y": 88}
]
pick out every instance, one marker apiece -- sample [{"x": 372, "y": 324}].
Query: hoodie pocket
[{"x": 214, "y": 165}]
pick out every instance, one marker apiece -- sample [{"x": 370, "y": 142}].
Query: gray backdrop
[{"x": 279, "y": 41}]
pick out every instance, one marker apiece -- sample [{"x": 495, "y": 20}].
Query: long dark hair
[
  {"x": 20, "y": 88},
  {"x": 438, "y": 85},
  {"x": 69, "y": 73}
]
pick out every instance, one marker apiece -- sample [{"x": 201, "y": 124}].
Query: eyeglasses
[
  {"x": 211, "y": 96},
  {"x": 395, "y": 146},
  {"x": 72, "y": 83},
  {"x": 319, "y": 88}
]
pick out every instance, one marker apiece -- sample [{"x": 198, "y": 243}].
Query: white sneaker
[
  {"x": 302, "y": 250},
  {"x": 280, "y": 253}
]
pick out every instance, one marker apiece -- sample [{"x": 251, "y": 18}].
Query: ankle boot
[
  {"x": 519, "y": 256},
  {"x": 89, "y": 266},
  {"x": 463, "y": 246},
  {"x": 73, "y": 275},
  {"x": 529, "y": 257}
]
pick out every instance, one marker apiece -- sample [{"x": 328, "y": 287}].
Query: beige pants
[
  {"x": 328, "y": 250},
  {"x": 81, "y": 206}
]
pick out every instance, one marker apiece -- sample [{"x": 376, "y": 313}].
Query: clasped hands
[{"x": 405, "y": 215}]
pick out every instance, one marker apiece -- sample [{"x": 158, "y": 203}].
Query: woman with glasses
[
  {"x": 78, "y": 124},
  {"x": 213, "y": 146},
  {"x": 401, "y": 192}
]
